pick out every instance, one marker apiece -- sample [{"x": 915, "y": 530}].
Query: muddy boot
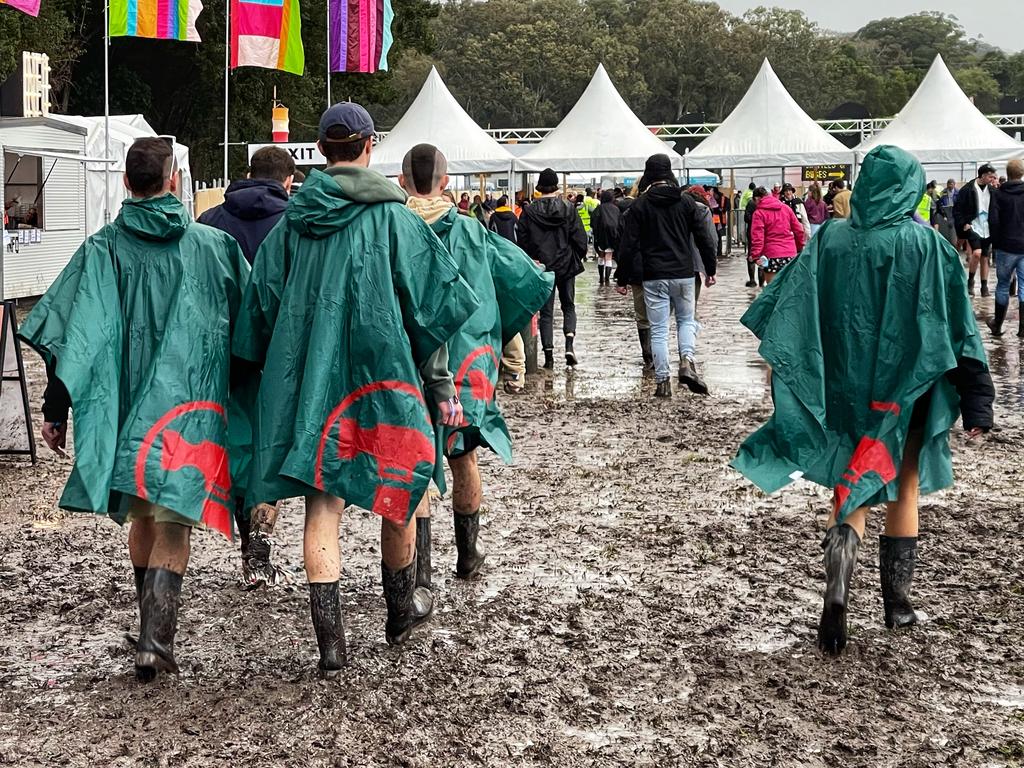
[
  {"x": 970, "y": 285},
  {"x": 663, "y": 389},
  {"x": 549, "y": 359},
  {"x": 896, "y": 559},
  {"x": 423, "y": 546},
  {"x": 471, "y": 559},
  {"x": 996, "y": 323},
  {"x": 408, "y": 605},
  {"x": 154, "y": 652},
  {"x": 260, "y": 571},
  {"x": 325, "y": 607},
  {"x": 1020, "y": 320},
  {"x": 570, "y": 354},
  {"x": 645, "y": 348},
  {"x": 689, "y": 377},
  {"x": 140, "y": 581},
  {"x": 984, "y": 288},
  {"x": 840, "y": 545},
  {"x": 751, "y": 282}
]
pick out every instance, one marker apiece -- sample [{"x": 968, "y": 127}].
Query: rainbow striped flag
[
  {"x": 31, "y": 7},
  {"x": 267, "y": 33},
  {"x": 155, "y": 19},
  {"x": 360, "y": 35}
]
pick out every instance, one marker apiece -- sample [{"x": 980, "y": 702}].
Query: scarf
[{"x": 430, "y": 209}]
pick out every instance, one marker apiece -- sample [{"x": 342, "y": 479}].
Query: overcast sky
[{"x": 999, "y": 22}]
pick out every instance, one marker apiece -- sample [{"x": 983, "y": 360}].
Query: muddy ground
[{"x": 642, "y": 606}]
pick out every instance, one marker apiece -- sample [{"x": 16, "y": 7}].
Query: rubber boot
[
  {"x": 260, "y": 571},
  {"x": 984, "y": 288},
  {"x": 154, "y": 653},
  {"x": 424, "y": 544},
  {"x": 840, "y": 545},
  {"x": 896, "y": 559},
  {"x": 645, "y": 347},
  {"x": 602, "y": 271},
  {"x": 408, "y": 605},
  {"x": 470, "y": 559},
  {"x": 549, "y": 359},
  {"x": 663, "y": 389},
  {"x": 970, "y": 284},
  {"x": 325, "y": 608},
  {"x": 996, "y": 323},
  {"x": 140, "y": 581},
  {"x": 751, "y": 282},
  {"x": 689, "y": 377},
  {"x": 1020, "y": 320},
  {"x": 570, "y": 354}
]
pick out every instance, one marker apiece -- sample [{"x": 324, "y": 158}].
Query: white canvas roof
[
  {"x": 768, "y": 129},
  {"x": 600, "y": 134},
  {"x": 435, "y": 117},
  {"x": 941, "y": 125}
]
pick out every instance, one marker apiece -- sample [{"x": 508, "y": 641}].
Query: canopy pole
[
  {"x": 227, "y": 84},
  {"x": 106, "y": 112}
]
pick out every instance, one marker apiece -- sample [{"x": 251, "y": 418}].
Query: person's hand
[
  {"x": 55, "y": 435},
  {"x": 451, "y": 413},
  {"x": 968, "y": 227},
  {"x": 711, "y": 280},
  {"x": 622, "y": 290}
]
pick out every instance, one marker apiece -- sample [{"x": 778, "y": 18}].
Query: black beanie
[
  {"x": 658, "y": 168},
  {"x": 548, "y": 182}
]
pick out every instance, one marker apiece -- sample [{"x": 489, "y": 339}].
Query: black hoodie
[
  {"x": 504, "y": 222},
  {"x": 656, "y": 238},
  {"x": 1006, "y": 217},
  {"x": 551, "y": 232},
  {"x": 251, "y": 209}
]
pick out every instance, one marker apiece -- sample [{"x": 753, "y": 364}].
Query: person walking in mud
[
  {"x": 552, "y": 234},
  {"x": 511, "y": 289},
  {"x": 135, "y": 336},
  {"x": 351, "y": 302},
  {"x": 874, "y": 349},
  {"x": 252, "y": 207},
  {"x": 655, "y": 248}
]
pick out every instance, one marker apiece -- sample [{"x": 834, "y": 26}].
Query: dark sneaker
[
  {"x": 689, "y": 377},
  {"x": 663, "y": 389}
]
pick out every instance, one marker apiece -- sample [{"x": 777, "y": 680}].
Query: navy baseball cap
[{"x": 349, "y": 121}]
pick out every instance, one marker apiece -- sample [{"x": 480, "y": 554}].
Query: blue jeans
[
  {"x": 1006, "y": 265},
  {"x": 661, "y": 297}
]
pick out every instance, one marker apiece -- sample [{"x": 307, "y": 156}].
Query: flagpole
[
  {"x": 106, "y": 111},
  {"x": 227, "y": 83},
  {"x": 329, "y": 105}
]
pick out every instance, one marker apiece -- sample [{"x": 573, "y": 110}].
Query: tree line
[{"x": 511, "y": 63}]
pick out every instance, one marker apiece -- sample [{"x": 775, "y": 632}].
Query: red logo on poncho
[
  {"x": 208, "y": 458},
  {"x": 396, "y": 450},
  {"x": 480, "y": 384}
]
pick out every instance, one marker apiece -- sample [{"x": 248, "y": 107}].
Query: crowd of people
[{"x": 343, "y": 342}]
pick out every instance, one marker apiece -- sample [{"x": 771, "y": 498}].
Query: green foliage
[{"x": 509, "y": 62}]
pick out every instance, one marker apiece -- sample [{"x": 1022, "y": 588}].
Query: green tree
[{"x": 980, "y": 86}]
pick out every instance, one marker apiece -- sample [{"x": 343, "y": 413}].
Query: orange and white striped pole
[{"x": 280, "y": 127}]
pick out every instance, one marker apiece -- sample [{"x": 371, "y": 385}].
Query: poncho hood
[
  {"x": 889, "y": 188},
  {"x": 331, "y": 200},
  {"x": 161, "y": 218}
]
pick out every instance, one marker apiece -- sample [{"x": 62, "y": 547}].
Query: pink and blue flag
[
  {"x": 360, "y": 35},
  {"x": 31, "y": 7},
  {"x": 155, "y": 19}
]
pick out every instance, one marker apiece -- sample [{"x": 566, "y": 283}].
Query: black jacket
[
  {"x": 606, "y": 223},
  {"x": 251, "y": 209},
  {"x": 973, "y": 383},
  {"x": 1006, "y": 217},
  {"x": 505, "y": 224},
  {"x": 966, "y": 208},
  {"x": 656, "y": 238},
  {"x": 551, "y": 232}
]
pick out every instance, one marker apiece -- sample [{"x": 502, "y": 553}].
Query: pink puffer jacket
[{"x": 775, "y": 231}]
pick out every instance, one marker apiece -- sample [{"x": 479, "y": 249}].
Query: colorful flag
[
  {"x": 267, "y": 33},
  {"x": 360, "y": 35},
  {"x": 31, "y": 7},
  {"x": 155, "y": 19}
]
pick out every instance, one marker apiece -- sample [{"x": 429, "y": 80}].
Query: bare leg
[
  {"x": 856, "y": 520},
  {"x": 140, "y": 541},
  {"x": 467, "y": 493},
  {"x": 171, "y": 547},
  {"x": 397, "y": 544},
  {"x": 768, "y": 277},
  {"x": 901, "y": 516},
  {"x": 320, "y": 550}
]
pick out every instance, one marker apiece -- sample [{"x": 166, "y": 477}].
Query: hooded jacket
[
  {"x": 656, "y": 238},
  {"x": 504, "y": 222},
  {"x": 250, "y": 210},
  {"x": 871, "y": 325},
  {"x": 1006, "y": 217},
  {"x": 138, "y": 329},
  {"x": 965, "y": 207},
  {"x": 351, "y": 293},
  {"x": 606, "y": 222},
  {"x": 550, "y": 231},
  {"x": 775, "y": 231}
]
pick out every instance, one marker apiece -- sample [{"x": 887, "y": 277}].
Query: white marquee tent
[
  {"x": 435, "y": 117},
  {"x": 600, "y": 134},
  {"x": 768, "y": 129},
  {"x": 940, "y": 124}
]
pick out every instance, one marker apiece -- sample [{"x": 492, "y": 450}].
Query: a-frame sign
[{"x": 16, "y": 436}]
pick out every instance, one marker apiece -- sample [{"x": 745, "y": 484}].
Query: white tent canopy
[
  {"x": 600, "y": 134},
  {"x": 435, "y": 117},
  {"x": 941, "y": 125},
  {"x": 768, "y": 129}
]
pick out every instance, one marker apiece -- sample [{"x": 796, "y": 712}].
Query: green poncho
[
  {"x": 140, "y": 325},
  {"x": 511, "y": 288},
  {"x": 350, "y": 293},
  {"x": 868, "y": 319}
]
